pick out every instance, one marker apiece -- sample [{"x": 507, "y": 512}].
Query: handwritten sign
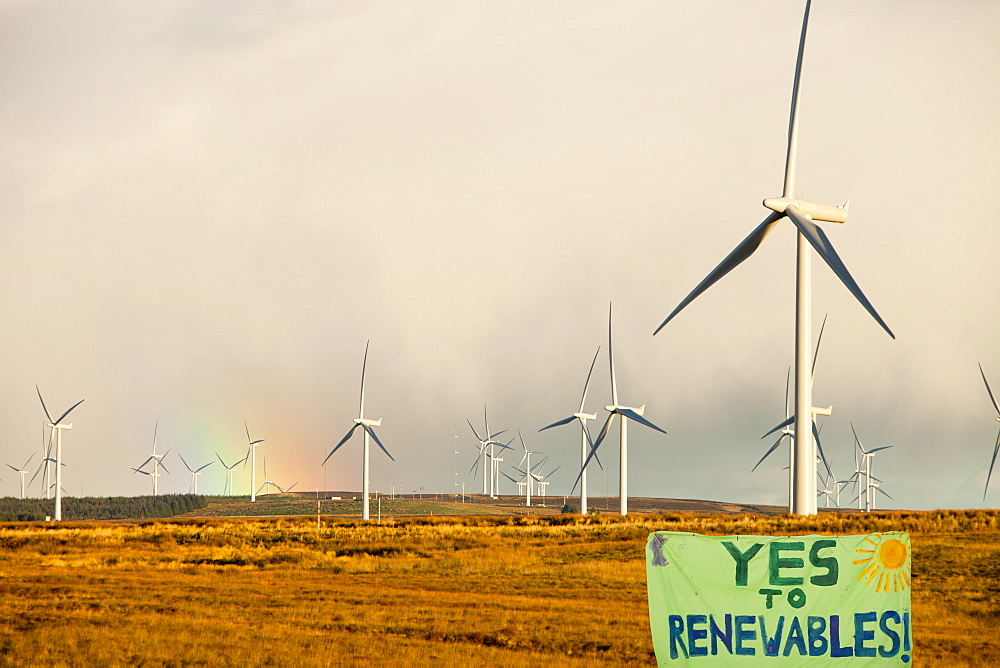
[{"x": 802, "y": 600}]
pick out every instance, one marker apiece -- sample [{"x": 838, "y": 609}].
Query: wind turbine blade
[
  {"x": 371, "y": 432},
  {"x": 884, "y": 447},
  {"x": 47, "y": 416},
  {"x": 593, "y": 451},
  {"x": 164, "y": 467},
  {"x": 882, "y": 491},
  {"x": 993, "y": 461},
  {"x": 474, "y": 470},
  {"x": 583, "y": 399},
  {"x": 780, "y": 425},
  {"x": 203, "y": 467},
  {"x": 492, "y": 436},
  {"x": 28, "y": 461},
  {"x": 291, "y": 487},
  {"x": 590, "y": 442},
  {"x": 364, "y": 365},
  {"x": 249, "y": 440},
  {"x": 13, "y": 469},
  {"x": 793, "y": 116},
  {"x": 818, "y": 239},
  {"x": 551, "y": 472},
  {"x": 788, "y": 377},
  {"x": 858, "y": 441},
  {"x": 772, "y": 449},
  {"x": 220, "y": 460},
  {"x": 342, "y": 441},
  {"x": 473, "y": 430},
  {"x": 819, "y": 446},
  {"x": 992, "y": 398},
  {"x": 611, "y": 361},
  {"x": 504, "y": 474},
  {"x": 185, "y": 462},
  {"x": 632, "y": 415},
  {"x": 559, "y": 423},
  {"x": 819, "y": 340},
  {"x": 148, "y": 459},
  {"x": 523, "y": 446},
  {"x": 68, "y": 410},
  {"x": 733, "y": 260}
]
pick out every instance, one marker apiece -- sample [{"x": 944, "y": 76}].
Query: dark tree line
[{"x": 101, "y": 508}]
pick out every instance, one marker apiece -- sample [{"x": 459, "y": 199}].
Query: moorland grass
[{"x": 482, "y": 590}]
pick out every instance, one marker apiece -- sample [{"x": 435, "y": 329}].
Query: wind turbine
[
  {"x": 267, "y": 481},
  {"x": 866, "y": 462},
  {"x": 229, "y": 474},
  {"x": 366, "y": 425},
  {"x": 193, "y": 486},
  {"x": 43, "y": 466},
  {"x": 584, "y": 435},
  {"x": 541, "y": 481},
  {"x": 252, "y": 455},
  {"x": 996, "y": 448},
  {"x": 157, "y": 462},
  {"x": 627, "y": 413},
  {"x": 786, "y": 426},
  {"x": 483, "y": 444},
  {"x": 57, "y": 427},
  {"x": 801, "y": 213},
  {"x": 23, "y": 471},
  {"x": 526, "y": 462}
]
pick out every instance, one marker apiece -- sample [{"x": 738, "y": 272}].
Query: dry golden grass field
[{"x": 471, "y": 590}]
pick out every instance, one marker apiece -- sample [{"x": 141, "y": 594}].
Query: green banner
[{"x": 798, "y": 600}]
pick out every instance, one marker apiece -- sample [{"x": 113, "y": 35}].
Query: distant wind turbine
[
  {"x": 526, "y": 463},
  {"x": 193, "y": 486},
  {"x": 57, "y": 427},
  {"x": 367, "y": 425},
  {"x": 23, "y": 472},
  {"x": 585, "y": 439},
  {"x": 787, "y": 430},
  {"x": 252, "y": 456},
  {"x": 229, "y": 474},
  {"x": 996, "y": 448},
  {"x": 866, "y": 464},
  {"x": 802, "y": 213},
  {"x": 157, "y": 461},
  {"x": 484, "y": 443},
  {"x": 627, "y": 413}
]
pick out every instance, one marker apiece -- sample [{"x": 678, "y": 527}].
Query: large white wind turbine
[
  {"x": 157, "y": 461},
  {"x": 23, "y": 472},
  {"x": 193, "y": 486},
  {"x": 627, "y": 413},
  {"x": 996, "y": 448},
  {"x": 267, "y": 481},
  {"x": 252, "y": 457},
  {"x": 366, "y": 425},
  {"x": 486, "y": 446},
  {"x": 57, "y": 427},
  {"x": 585, "y": 439},
  {"x": 802, "y": 213},
  {"x": 229, "y": 474}
]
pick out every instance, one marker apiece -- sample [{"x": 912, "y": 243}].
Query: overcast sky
[{"x": 209, "y": 207}]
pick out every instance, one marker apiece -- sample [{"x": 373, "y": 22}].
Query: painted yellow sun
[{"x": 887, "y": 562}]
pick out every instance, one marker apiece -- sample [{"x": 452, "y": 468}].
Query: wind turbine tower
[
  {"x": 802, "y": 213},
  {"x": 57, "y": 427}
]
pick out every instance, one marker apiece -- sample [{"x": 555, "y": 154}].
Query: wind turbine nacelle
[
  {"x": 369, "y": 423},
  {"x": 593, "y": 416},
  {"x": 822, "y": 411},
  {"x": 813, "y": 210}
]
